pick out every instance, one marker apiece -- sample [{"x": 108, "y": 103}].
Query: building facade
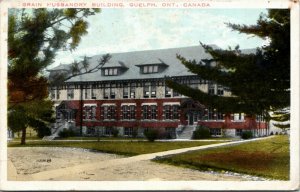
[{"x": 128, "y": 93}]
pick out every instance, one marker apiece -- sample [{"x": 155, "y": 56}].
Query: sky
[{"x": 124, "y": 30}]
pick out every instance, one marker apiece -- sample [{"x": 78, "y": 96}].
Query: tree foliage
[
  {"x": 282, "y": 118},
  {"x": 259, "y": 82},
  {"x": 34, "y": 37}
]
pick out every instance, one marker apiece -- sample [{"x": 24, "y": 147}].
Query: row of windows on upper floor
[{"x": 149, "y": 91}]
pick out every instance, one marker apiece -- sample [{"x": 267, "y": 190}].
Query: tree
[
  {"x": 34, "y": 37},
  {"x": 259, "y": 82},
  {"x": 282, "y": 118},
  {"x": 36, "y": 114}
]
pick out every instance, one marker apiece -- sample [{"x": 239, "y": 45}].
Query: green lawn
[
  {"x": 267, "y": 158},
  {"x": 129, "y": 148}
]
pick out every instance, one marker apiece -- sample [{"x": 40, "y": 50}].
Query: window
[
  {"x": 167, "y": 111},
  {"x": 153, "y": 111},
  {"x": 87, "y": 93},
  {"x": 146, "y": 90},
  {"x": 93, "y": 91},
  {"x": 111, "y": 72},
  {"x": 108, "y": 112},
  {"x": 106, "y": 92},
  {"x": 86, "y": 112},
  {"x": 149, "y": 111},
  {"x": 145, "y": 109},
  {"x": 128, "y": 131},
  {"x": 219, "y": 116},
  {"x": 171, "y": 112},
  {"x": 125, "y": 91},
  {"x": 132, "y": 111},
  {"x": 150, "y": 69},
  {"x": 149, "y": 90},
  {"x": 238, "y": 116},
  {"x": 238, "y": 132},
  {"x": 128, "y": 111},
  {"x": 93, "y": 112},
  {"x": 108, "y": 130},
  {"x": 211, "y": 89},
  {"x": 109, "y": 92},
  {"x": 90, "y": 131},
  {"x": 213, "y": 114},
  {"x": 168, "y": 91},
  {"x": 215, "y": 131},
  {"x": 89, "y": 112},
  {"x": 70, "y": 93},
  {"x": 175, "y": 111},
  {"x": 57, "y": 94},
  {"x": 112, "y": 93},
  {"x": 132, "y": 90},
  {"x": 220, "y": 90},
  {"x": 153, "y": 90},
  {"x": 175, "y": 94}
]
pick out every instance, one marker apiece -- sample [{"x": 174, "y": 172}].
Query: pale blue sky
[{"x": 122, "y": 30}]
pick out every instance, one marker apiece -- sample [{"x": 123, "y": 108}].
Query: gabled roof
[{"x": 132, "y": 60}]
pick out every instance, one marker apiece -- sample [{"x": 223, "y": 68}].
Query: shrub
[
  {"x": 151, "y": 134},
  {"x": 201, "y": 133},
  {"x": 247, "y": 135},
  {"x": 43, "y": 131},
  {"x": 168, "y": 136},
  {"x": 66, "y": 133},
  {"x": 115, "y": 132}
]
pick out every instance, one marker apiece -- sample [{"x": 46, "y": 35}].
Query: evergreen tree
[
  {"x": 282, "y": 119},
  {"x": 259, "y": 82},
  {"x": 34, "y": 37}
]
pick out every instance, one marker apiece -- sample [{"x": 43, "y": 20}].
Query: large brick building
[{"x": 128, "y": 93}]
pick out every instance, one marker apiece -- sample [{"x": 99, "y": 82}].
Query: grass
[
  {"x": 266, "y": 158},
  {"x": 27, "y": 138},
  {"x": 128, "y": 148}
]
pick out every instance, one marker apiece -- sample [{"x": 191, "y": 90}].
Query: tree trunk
[{"x": 23, "y": 136}]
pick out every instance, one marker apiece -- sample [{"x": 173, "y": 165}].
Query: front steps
[{"x": 187, "y": 132}]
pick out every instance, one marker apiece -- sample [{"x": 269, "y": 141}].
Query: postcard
[{"x": 149, "y": 95}]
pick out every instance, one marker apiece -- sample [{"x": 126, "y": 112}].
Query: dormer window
[
  {"x": 150, "y": 69},
  {"x": 110, "y": 71}
]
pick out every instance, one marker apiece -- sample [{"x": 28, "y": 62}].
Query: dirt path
[{"x": 53, "y": 163}]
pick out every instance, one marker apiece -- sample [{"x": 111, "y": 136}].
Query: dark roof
[{"x": 132, "y": 61}]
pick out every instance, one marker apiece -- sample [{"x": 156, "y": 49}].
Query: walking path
[
  {"x": 123, "y": 140},
  {"x": 76, "y": 172}
]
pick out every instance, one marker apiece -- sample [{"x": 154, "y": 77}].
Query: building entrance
[{"x": 193, "y": 111}]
